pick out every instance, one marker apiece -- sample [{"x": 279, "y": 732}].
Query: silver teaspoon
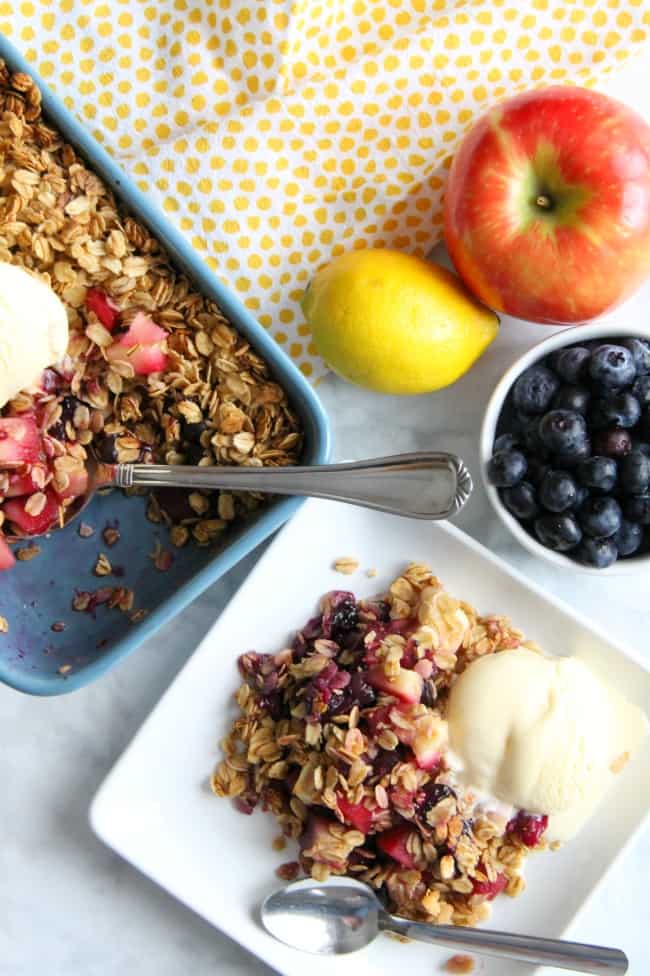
[
  {"x": 422, "y": 485},
  {"x": 344, "y": 916}
]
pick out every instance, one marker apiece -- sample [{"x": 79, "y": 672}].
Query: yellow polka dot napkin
[{"x": 277, "y": 133}]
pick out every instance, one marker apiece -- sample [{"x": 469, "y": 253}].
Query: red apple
[{"x": 547, "y": 211}]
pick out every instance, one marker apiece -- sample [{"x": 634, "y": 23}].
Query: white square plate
[{"x": 155, "y": 807}]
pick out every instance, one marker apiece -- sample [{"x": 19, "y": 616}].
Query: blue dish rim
[{"x": 302, "y": 395}]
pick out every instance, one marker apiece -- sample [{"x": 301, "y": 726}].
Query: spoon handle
[
  {"x": 424, "y": 485},
  {"x": 557, "y": 953}
]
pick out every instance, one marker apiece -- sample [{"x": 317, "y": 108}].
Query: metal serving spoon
[
  {"x": 423, "y": 485},
  {"x": 345, "y": 915}
]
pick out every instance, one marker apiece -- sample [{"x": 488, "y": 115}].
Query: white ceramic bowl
[{"x": 567, "y": 337}]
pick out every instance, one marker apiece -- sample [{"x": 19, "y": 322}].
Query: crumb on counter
[
  {"x": 4, "y": 625},
  {"x": 346, "y": 565},
  {"x": 58, "y": 626},
  {"x": 85, "y": 530},
  {"x": 460, "y": 964},
  {"x": 372, "y": 572}
]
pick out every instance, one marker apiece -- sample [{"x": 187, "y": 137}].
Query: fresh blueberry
[
  {"x": 520, "y": 501},
  {"x": 563, "y": 432},
  {"x": 557, "y": 491},
  {"x": 532, "y": 440},
  {"x": 628, "y": 538},
  {"x": 612, "y": 366},
  {"x": 572, "y": 398},
  {"x": 580, "y": 452},
  {"x": 614, "y": 442},
  {"x": 641, "y": 390},
  {"x": 534, "y": 389},
  {"x": 506, "y": 468},
  {"x": 572, "y": 364},
  {"x": 634, "y": 471},
  {"x": 558, "y": 532},
  {"x": 599, "y": 553},
  {"x": 644, "y": 424},
  {"x": 640, "y": 349},
  {"x": 537, "y": 468},
  {"x": 600, "y": 516},
  {"x": 505, "y": 442},
  {"x": 617, "y": 410},
  {"x": 582, "y": 494},
  {"x": 641, "y": 446},
  {"x": 636, "y": 508},
  {"x": 598, "y": 472}
]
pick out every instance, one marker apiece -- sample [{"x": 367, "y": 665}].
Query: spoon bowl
[{"x": 345, "y": 916}]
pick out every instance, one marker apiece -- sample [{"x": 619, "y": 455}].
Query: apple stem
[{"x": 544, "y": 202}]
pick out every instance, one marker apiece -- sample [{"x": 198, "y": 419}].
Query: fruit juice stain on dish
[{"x": 542, "y": 734}]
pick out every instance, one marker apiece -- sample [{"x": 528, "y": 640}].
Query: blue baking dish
[{"x": 38, "y": 660}]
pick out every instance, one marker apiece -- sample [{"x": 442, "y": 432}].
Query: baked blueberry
[
  {"x": 640, "y": 349},
  {"x": 572, "y": 398},
  {"x": 520, "y": 501},
  {"x": 628, "y": 538},
  {"x": 634, "y": 473},
  {"x": 600, "y": 516},
  {"x": 534, "y": 390},
  {"x": 563, "y": 432},
  {"x": 572, "y": 364},
  {"x": 557, "y": 492},
  {"x": 614, "y": 442},
  {"x": 636, "y": 508},
  {"x": 598, "y": 472},
  {"x": 558, "y": 532},
  {"x": 612, "y": 366},
  {"x": 616, "y": 410},
  {"x": 506, "y": 468},
  {"x": 599, "y": 553}
]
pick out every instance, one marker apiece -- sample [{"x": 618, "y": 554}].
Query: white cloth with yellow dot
[{"x": 277, "y": 133}]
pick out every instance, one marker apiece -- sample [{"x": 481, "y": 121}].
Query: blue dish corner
[{"x": 38, "y": 660}]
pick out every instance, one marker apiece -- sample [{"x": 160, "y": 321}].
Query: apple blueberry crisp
[{"x": 343, "y": 738}]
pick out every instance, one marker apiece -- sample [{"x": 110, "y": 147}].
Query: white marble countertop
[{"x": 70, "y": 907}]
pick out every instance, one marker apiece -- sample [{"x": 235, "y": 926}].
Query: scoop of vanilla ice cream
[
  {"x": 543, "y": 734},
  {"x": 33, "y": 330}
]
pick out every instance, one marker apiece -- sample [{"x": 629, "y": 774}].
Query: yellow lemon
[{"x": 395, "y": 323}]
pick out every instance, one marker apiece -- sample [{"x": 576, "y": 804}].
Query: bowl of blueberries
[{"x": 565, "y": 449}]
